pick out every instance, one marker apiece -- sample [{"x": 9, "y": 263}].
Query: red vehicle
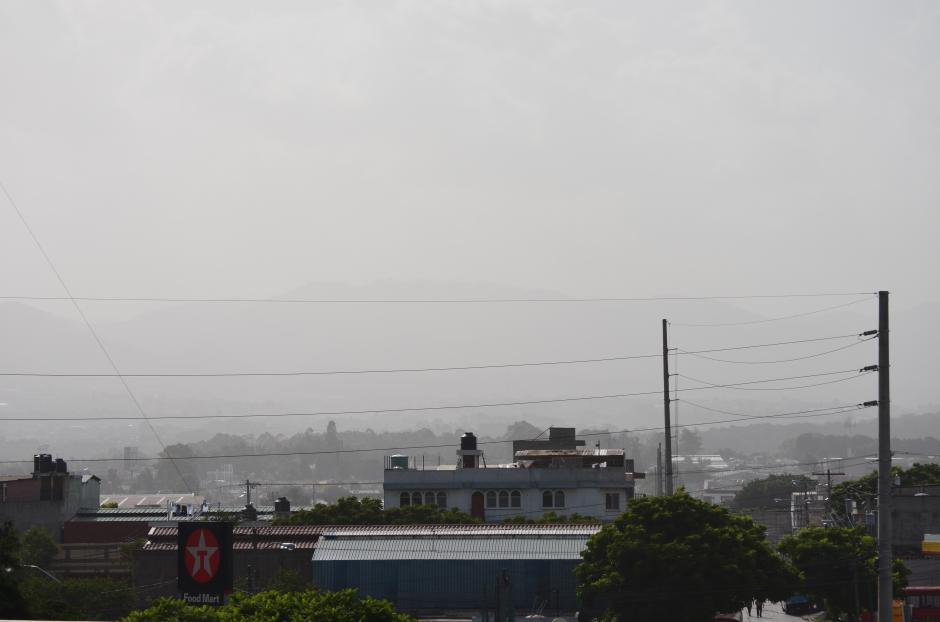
[{"x": 923, "y": 603}]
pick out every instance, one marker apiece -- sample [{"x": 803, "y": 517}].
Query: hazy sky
[{"x": 598, "y": 148}]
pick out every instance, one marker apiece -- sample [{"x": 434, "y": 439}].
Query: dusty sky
[{"x": 596, "y": 148}]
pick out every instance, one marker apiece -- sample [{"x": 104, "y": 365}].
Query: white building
[{"x": 555, "y": 475}]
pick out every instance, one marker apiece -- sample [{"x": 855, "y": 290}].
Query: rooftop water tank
[{"x": 468, "y": 441}]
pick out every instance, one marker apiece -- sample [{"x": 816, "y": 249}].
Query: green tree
[
  {"x": 346, "y": 511},
  {"x": 839, "y": 566},
  {"x": 12, "y": 604},
  {"x": 427, "y": 515},
  {"x": 550, "y": 518},
  {"x": 37, "y": 547},
  {"x": 77, "y": 599},
  {"x": 771, "y": 491},
  {"x": 681, "y": 555},
  {"x": 177, "y": 474},
  {"x": 310, "y": 605},
  {"x": 353, "y": 511},
  {"x": 864, "y": 490}
]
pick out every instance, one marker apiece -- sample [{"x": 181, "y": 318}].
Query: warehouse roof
[
  {"x": 353, "y": 547},
  {"x": 473, "y": 530}
]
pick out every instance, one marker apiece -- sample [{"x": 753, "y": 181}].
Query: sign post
[{"x": 204, "y": 562}]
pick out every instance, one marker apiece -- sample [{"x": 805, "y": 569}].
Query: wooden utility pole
[
  {"x": 668, "y": 417},
  {"x": 885, "y": 596}
]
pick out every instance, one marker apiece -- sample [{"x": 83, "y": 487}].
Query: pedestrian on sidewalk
[
  {"x": 749, "y": 609},
  {"x": 760, "y": 609}
]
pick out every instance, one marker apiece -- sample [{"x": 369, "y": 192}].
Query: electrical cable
[
  {"x": 740, "y": 385},
  {"x": 797, "y": 414},
  {"x": 774, "y": 361},
  {"x": 370, "y": 411},
  {"x": 774, "y": 319},
  {"x": 421, "y": 369},
  {"x": 88, "y": 325},
  {"x": 433, "y": 300}
]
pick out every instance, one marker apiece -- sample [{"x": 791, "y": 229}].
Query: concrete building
[
  {"x": 454, "y": 570},
  {"x": 915, "y": 513},
  {"x": 554, "y": 475},
  {"x": 48, "y": 497}
]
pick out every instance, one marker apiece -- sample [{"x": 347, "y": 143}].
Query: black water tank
[
  {"x": 468, "y": 441},
  {"x": 281, "y": 504},
  {"x": 60, "y": 466},
  {"x": 45, "y": 463}
]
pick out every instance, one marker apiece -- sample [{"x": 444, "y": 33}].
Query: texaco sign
[{"x": 204, "y": 562}]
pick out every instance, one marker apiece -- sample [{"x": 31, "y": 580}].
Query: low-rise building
[
  {"x": 48, "y": 497},
  {"x": 456, "y": 570},
  {"x": 559, "y": 476}
]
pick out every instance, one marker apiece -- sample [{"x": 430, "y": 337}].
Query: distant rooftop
[{"x": 157, "y": 500}]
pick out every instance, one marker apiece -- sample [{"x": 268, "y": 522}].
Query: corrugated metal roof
[
  {"x": 546, "y": 453},
  {"x": 461, "y": 530},
  {"x": 278, "y": 531},
  {"x": 352, "y": 548},
  {"x": 241, "y": 545}
]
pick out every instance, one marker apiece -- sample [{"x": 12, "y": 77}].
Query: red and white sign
[{"x": 202, "y": 555}]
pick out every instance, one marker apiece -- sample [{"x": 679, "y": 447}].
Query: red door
[{"x": 476, "y": 506}]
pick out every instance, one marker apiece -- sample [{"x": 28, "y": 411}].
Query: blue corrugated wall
[{"x": 415, "y": 585}]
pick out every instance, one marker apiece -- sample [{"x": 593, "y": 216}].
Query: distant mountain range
[{"x": 246, "y": 337}]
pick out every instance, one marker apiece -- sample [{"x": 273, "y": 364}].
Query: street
[{"x": 772, "y": 611}]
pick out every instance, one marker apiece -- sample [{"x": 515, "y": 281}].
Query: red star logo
[{"x": 202, "y": 555}]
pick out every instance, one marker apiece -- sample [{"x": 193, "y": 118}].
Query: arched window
[
  {"x": 559, "y": 498},
  {"x": 416, "y": 498},
  {"x": 503, "y": 499},
  {"x": 515, "y": 499},
  {"x": 490, "y": 499},
  {"x": 442, "y": 499},
  {"x": 547, "y": 499},
  {"x": 404, "y": 499},
  {"x": 429, "y": 498}
]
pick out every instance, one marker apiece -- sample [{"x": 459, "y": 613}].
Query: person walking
[
  {"x": 760, "y": 609},
  {"x": 749, "y": 609}
]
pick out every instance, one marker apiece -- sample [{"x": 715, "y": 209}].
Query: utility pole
[
  {"x": 885, "y": 596},
  {"x": 667, "y": 416},
  {"x": 829, "y": 475},
  {"x": 659, "y": 470}
]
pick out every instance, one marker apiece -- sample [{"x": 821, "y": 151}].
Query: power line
[
  {"x": 433, "y": 300},
  {"x": 88, "y": 325},
  {"x": 773, "y": 361},
  {"x": 740, "y": 386},
  {"x": 775, "y": 319},
  {"x": 796, "y": 414},
  {"x": 428, "y": 369},
  {"x": 744, "y": 416},
  {"x": 371, "y": 411}
]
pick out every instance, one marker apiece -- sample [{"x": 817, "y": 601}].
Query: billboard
[{"x": 204, "y": 562}]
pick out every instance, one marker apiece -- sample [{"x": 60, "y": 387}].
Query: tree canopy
[
  {"x": 37, "y": 547},
  {"x": 772, "y": 491},
  {"x": 312, "y": 606},
  {"x": 353, "y": 511},
  {"x": 11, "y": 600},
  {"x": 550, "y": 518},
  {"x": 864, "y": 489},
  {"x": 681, "y": 555},
  {"x": 838, "y": 565}
]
